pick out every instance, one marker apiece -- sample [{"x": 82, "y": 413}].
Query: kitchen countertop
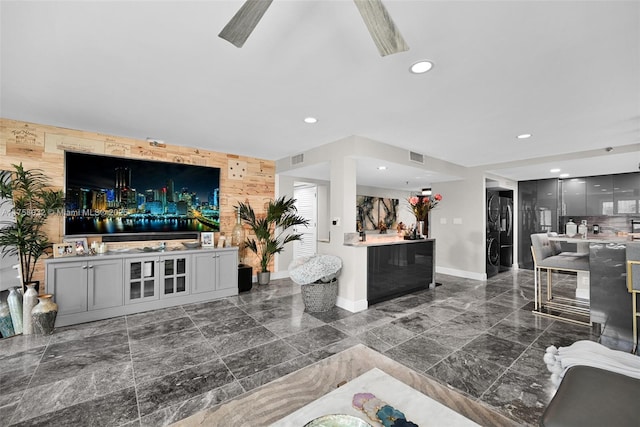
[
  {"x": 385, "y": 241},
  {"x": 590, "y": 239}
]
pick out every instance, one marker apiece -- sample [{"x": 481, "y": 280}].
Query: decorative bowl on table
[
  {"x": 338, "y": 420},
  {"x": 191, "y": 245},
  {"x": 120, "y": 250}
]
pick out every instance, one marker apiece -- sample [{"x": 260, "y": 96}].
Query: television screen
[{"x": 117, "y": 196}]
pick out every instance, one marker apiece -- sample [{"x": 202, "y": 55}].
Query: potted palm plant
[
  {"x": 270, "y": 231},
  {"x": 33, "y": 202}
]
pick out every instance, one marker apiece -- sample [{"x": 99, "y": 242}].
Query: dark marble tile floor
[{"x": 155, "y": 368}]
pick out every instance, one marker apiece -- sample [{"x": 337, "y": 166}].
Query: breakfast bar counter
[
  {"x": 397, "y": 267},
  {"x": 610, "y": 302}
]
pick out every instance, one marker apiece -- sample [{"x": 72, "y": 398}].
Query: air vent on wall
[
  {"x": 416, "y": 157},
  {"x": 297, "y": 159}
]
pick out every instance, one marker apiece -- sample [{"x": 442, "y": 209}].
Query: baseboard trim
[
  {"x": 275, "y": 275},
  {"x": 352, "y": 306},
  {"x": 461, "y": 273}
]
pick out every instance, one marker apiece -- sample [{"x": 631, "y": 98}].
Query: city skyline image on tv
[{"x": 115, "y": 195}]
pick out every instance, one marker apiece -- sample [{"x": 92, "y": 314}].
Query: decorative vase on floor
[
  {"x": 29, "y": 300},
  {"x": 6, "y": 325},
  {"x": 44, "y": 315},
  {"x": 15, "y": 307},
  {"x": 264, "y": 277}
]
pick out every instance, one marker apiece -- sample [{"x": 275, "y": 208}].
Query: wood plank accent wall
[{"x": 245, "y": 179}]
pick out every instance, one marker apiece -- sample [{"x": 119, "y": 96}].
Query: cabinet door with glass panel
[
  {"x": 174, "y": 275},
  {"x": 141, "y": 279},
  {"x": 626, "y": 193},
  {"x": 599, "y": 195},
  {"x": 574, "y": 197}
]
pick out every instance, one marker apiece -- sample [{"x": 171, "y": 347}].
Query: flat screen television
[{"x": 130, "y": 199}]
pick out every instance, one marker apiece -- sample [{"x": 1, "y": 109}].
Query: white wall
[
  {"x": 324, "y": 212},
  {"x": 281, "y": 261},
  {"x": 458, "y": 223}
]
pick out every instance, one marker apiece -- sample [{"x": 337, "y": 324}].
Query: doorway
[{"x": 306, "y": 196}]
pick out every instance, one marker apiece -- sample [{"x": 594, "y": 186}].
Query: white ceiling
[{"x": 566, "y": 71}]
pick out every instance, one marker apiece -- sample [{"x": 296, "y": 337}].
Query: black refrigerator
[{"x": 499, "y": 249}]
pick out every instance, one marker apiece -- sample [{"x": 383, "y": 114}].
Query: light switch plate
[
  {"x": 457, "y": 221},
  {"x": 443, "y": 221}
]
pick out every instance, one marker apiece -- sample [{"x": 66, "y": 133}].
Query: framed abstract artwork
[{"x": 372, "y": 212}]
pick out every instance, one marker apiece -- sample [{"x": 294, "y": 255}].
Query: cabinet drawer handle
[
  {"x": 91, "y": 266},
  {"x": 84, "y": 267}
]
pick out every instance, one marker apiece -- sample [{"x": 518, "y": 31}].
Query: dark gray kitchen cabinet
[
  {"x": 547, "y": 206},
  {"x": 537, "y": 213},
  {"x": 626, "y": 193},
  {"x": 574, "y": 197},
  {"x": 599, "y": 195}
]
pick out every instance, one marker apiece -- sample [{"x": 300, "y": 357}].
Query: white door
[{"x": 307, "y": 205}]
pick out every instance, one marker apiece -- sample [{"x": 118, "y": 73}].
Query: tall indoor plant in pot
[
  {"x": 271, "y": 231},
  {"x": 33, "y": 202}
]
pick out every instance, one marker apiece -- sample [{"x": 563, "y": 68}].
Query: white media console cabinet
[{"x": 94, "y": 287}]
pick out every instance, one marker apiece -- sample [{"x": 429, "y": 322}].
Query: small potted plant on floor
[
  {"x": 271, "y": 231},
  {"x": 318, "y": 277}
]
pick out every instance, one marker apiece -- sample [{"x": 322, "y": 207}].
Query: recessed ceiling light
[
  {"x": 310, "y": 120},
  {"x": 524, "y": 136},
  {"x": 555, "y": 170},
  {"x": 564, "y": 175},
  {"x": 382, "y": 168},
  {"x": 421, "y": 67}
]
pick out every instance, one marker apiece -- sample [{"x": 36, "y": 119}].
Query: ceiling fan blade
[
  {"x": 244, "y": 21},
  {"x": 381, "y": 27}
]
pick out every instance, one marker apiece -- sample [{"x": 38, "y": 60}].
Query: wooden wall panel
[{"x": 42, "y": 146}]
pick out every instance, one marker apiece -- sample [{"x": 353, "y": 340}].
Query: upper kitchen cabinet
[
  {"x": 626, "y": 193},
  {"x": 573, "y": 197},
  {"x": 547, "y": 205},
  {"x": 599, "y": 195}
]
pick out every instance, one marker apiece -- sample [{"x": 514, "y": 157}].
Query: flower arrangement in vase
[{"x": 421, "y": 205}]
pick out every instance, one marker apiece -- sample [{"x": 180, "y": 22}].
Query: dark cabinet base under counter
[{"x": 399, "y": 268}]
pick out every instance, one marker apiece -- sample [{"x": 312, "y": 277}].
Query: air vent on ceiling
[
  {"x": 297, "y": 159},
  {"x": 416, "y": 157}
]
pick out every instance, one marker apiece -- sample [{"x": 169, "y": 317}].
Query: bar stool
[
  {"x": 633, "y": 286},
  {"x": 545, "y": 260}
]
